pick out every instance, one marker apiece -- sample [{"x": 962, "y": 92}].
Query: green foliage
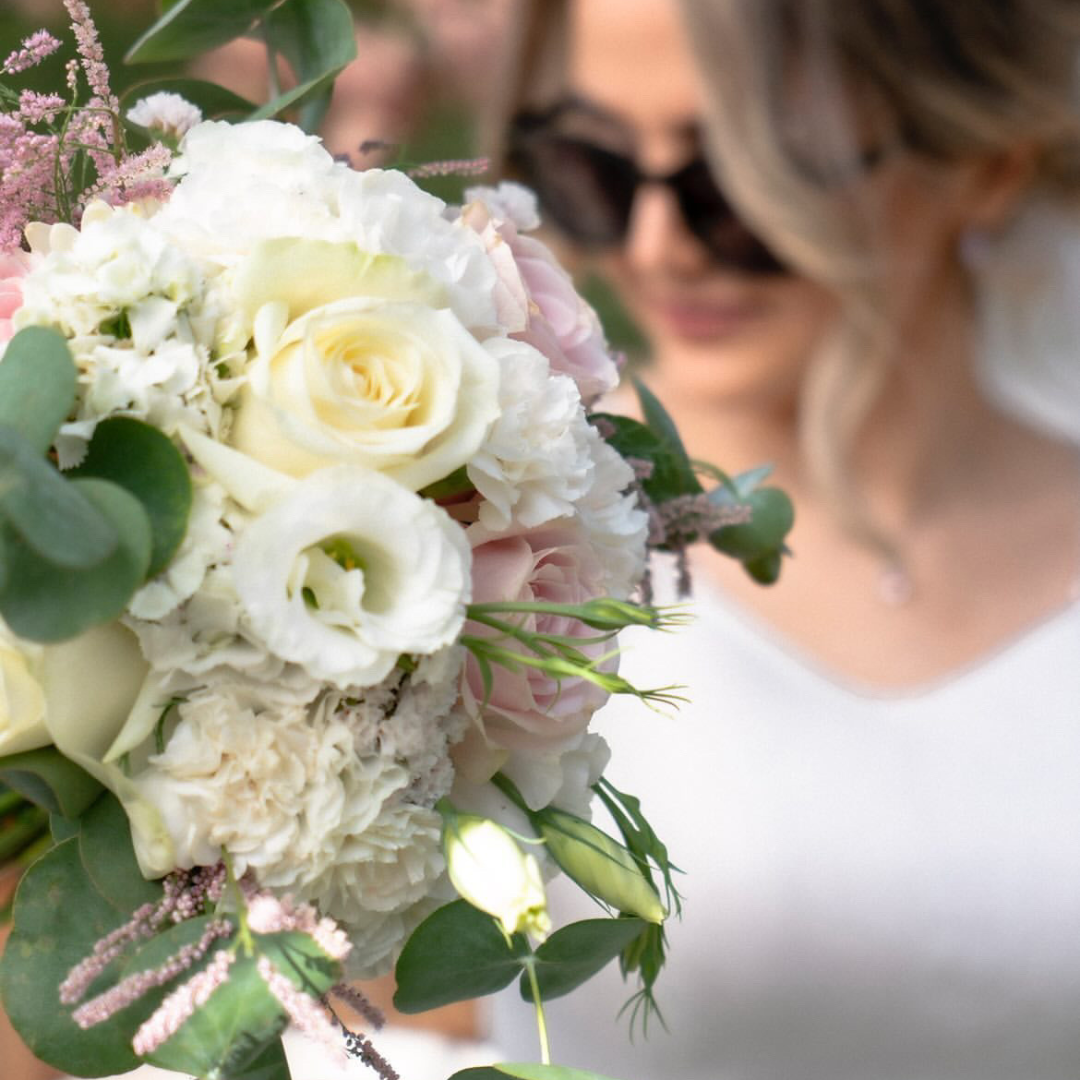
[
  {"x": 75, "y": 546},
  {"x": 58, "y": 916},
  {"x": 50, "y": 780},
  {"x": 190, "y": 27},
  {"x": 44, "y": 601},
  {"x": 242, "y": 1019},
  {"x": 456, "y": 953},
  {"x": 214, "y": 101},
  {"x": 525, "y": 1070},
  {"x": 314, "y": 36},
  {"x": 37, "y": 385},
  {"x": 575, "y": 953},
  {"x": 140, "y": 459}
]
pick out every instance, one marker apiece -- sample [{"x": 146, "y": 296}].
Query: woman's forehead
[{"x": 632, "y": 58}]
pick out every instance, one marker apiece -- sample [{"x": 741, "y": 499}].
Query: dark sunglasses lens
[
  {"x": 585, "y": 190},
  {"x": 712, "y": 220}
]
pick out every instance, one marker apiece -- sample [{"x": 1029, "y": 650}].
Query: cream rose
[
  {"x": 358, "y": 361},
  {"x": 46, "y": 691}
]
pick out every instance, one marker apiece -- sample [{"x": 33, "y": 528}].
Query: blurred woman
[{"x": 852, "y": 234}]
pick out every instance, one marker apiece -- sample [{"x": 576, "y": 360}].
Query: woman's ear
[{"x": 996, "y": 184}]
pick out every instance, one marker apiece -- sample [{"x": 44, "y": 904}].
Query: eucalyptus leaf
[
  {"x": 190, "y": 27},
  {"x": 45, "y": 602},
  {"x": 37, "y": 385},
  {"x": 58, "y": 917},
  {"x": 50, "y": 516},
  {"x": 456, "y": 953},
  {"x": 317, "y": 38},
  {"x": 49, "y": 779},
  {"x": 108, "y": 854},
  {"x": 146, "y": 463},
  {"x": 771, "y": 518},
  {"x": 525, "y": 1070},
  {"x": 575, "y": 953}
]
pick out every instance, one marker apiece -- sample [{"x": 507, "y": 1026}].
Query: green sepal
[
  {"x": 146, "y": 463},
  {"x": 45, "y": 602},
  {"x": 575, "y": 953},
  {"x": 456, "y": 953},
  {"x": 50, "y": 780}
]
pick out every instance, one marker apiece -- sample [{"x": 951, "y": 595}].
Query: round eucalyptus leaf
[
  {"x": 146, "y": 463},
  {"x": 37, "y": 385},
  {"x": 45, "y": 602}
]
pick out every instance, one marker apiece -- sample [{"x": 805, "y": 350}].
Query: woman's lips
[{"x": 700, "y": 320}]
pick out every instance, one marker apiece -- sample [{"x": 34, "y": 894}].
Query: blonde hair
[{"x": 946, "y": 79}]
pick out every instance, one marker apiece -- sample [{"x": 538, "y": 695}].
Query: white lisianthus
[
  {"x": 358, "y": 361},
  {"x": 489, "y": 869},
  {"x": 348, "y": 571},
  {"x": 536, "y": 462}
]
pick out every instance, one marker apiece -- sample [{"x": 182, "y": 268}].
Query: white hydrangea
[
  {"x": 384, "y": 211},
  {"x": 536, "y": 463}
]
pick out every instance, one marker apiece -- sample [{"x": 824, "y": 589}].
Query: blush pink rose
[
  {"x": 528, "y": 709},
  {"x": 536, "y": 298},
  {"x": 13, "y": 268}
]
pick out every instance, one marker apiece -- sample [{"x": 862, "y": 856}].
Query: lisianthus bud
[
  {"x": 489, "y": 869},
  {"x": 600, "y": 865}
]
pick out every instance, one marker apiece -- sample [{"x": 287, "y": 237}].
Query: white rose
[
  {"x": 358, "y": 361},
  {"x": 349, "y": 570}
]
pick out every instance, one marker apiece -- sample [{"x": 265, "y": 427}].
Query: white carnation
[
  {"x": 384, "y": 211},
  {"x": 170, "y": 114},
  {"x": 536, "y": 462}
]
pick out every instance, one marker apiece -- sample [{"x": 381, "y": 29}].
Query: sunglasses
[{"x": 588, "y": 191}]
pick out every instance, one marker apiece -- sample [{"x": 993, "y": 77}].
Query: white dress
[{"x": 877, "y": 887}]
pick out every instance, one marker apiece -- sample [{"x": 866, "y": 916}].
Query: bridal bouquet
[{"x": 312, "y": 552}]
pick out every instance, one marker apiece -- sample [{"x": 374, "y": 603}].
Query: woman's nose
[{"x": 658, "y": 238}]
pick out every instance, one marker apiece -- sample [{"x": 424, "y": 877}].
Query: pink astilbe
[
  {"x": 97, "y": 1010},
  {"x": 137, "y": 176},
  {"x": 35, "y": 48},
  {"x": 304, "y": 1012},
  {"x": 180, "y": 1005},
  {"x": 186, "y": 895}
]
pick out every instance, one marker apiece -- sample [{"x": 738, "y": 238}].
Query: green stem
[
  {"x": 244, "y": 940},
  {"x": 541, "y": 1022}
]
